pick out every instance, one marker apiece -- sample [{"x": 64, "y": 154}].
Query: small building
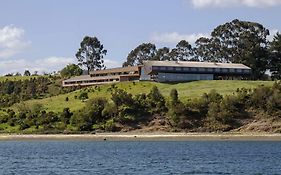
[
  {"x": 163, "y": 71},
  {"x": 178, "y": 71},
  {"x": 130, "y": 73}
]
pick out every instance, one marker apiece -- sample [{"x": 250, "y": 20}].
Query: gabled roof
[{"x": 196, "y": 64}]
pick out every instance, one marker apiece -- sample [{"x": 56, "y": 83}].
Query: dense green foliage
[
  {"x": 71, "y": 70},
  {"x": 33, "y": 88},
  {"x": 210, "y": 112},
  {"x": 145, "y": 51},
  {"x": 91, "y": 53},
  {"x": 275, "y": 60}
]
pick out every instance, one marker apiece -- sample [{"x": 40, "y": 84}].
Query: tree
[
  {"x": 162, "y": 54},
  {"x": 91, "y": 53},
  {"x": 156, "y": 101},
  {"x": 121, "y": 97},
  {"x": 237, "y": 42},
  {"x": 145, "y": 51},
  {"x": 66, "y": 115},
  {"x": 18, "y": 74},
  {"x": 71, "y": 70},
  {"x": 176, "y": 110},
  {"x": 35, "y": 73},
  {"x": 182, "y": 52},
  {"x": 174, "y": 96},
  {"x": 275, "y": 57},
  {"x": 205, "y": 51},
  {"x": 26, "y": 73}
]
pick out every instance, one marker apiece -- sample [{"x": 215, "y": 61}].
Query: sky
[{"x": 45, "y": 35}]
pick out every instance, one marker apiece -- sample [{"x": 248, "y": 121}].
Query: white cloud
[
  {"x": 175, "y": 37},
  {"x": 48, "y": 65},
  {"x": 234, "y": 3},
  {"x": 42, "y": 65},
  {"x": 12, "y": 41},
  {"x": 111, "y": 63}
]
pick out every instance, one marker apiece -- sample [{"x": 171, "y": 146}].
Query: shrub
[
  {"x": 121, "y": 97},
  {"x": 109, "y": 111},
  {"x": 66, "y": 115},
  {"x": 156, "y": 101},
  {"x": 83, "y": 96},
  {"x": 82, "y": 121},
  {"x": 110, "y": 126}
]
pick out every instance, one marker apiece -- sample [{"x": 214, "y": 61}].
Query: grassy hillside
[
  {"x": 16, "y": 78},
  {"x": 186, "y": 91}
]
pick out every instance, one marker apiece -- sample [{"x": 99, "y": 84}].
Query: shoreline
[{"x": 131, "y": 136}]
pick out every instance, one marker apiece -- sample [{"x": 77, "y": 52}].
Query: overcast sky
[{"x": 45, "y": 35}]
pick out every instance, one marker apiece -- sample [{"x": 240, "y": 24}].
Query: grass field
[{"x": 186, "y": 91}]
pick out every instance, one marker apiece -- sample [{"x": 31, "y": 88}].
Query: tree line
[
  {"x": 12, "y": 92},
  {"x": 233, "y": 42},
  {"x": 210, "y": 112}
]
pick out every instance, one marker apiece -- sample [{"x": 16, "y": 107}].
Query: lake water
[{"x": 145, "y": 157}]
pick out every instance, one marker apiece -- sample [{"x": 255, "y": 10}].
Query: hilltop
[{"x": 188, "y": 90}]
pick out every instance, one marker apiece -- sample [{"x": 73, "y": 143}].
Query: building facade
[
  {"x": 163, "y": 71},
  {"x": 177, "y": 71},
  {"x": 105, "y": 76}
]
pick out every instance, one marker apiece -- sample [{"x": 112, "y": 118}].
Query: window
[
  {"x": 225, "y": 70},
  {"x": 202, "y": 69},
  {"x": 194, "y": 69},
  {"x": 210, "y": 69},
  {"x": 178, "y": 69},
  {"x": 186, "y": 69},
  {"x": 170, "y": 68}
]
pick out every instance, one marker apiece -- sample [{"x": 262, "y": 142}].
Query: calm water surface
[{"x": 94, "y": 157}]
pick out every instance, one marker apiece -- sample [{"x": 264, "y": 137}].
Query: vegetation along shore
[{"x": 241, "y": 106}]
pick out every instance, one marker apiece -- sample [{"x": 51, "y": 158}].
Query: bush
[
  {"x": 121, "y": 97},
  {"x": 66, "y": 115},
  {"x": 225, "y": 115},
  {"x": 109, "y": 111},
  {"x": 176, "y": 110},
  {"x": 156, "y": 101},
  {"x": 110, "y": 126},
  {"x": 82, "y": 121},
  {"x": 83, "y": 96}
]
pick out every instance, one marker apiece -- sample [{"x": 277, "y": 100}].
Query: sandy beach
[{"x": 145, "y": 136}]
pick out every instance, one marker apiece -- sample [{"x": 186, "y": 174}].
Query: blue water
[{"x": 96, "y": 157}]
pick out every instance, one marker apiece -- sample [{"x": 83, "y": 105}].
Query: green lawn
[{"x": 186, "y": 91}]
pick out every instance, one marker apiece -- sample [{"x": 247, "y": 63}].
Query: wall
[{"x": 170, "y": 77}]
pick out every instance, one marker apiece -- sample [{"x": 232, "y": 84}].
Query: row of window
[
  {"x": 115, "y": 73},
  {"x": 195, "y": 69},
  {"x": 91, "y": 81}
]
